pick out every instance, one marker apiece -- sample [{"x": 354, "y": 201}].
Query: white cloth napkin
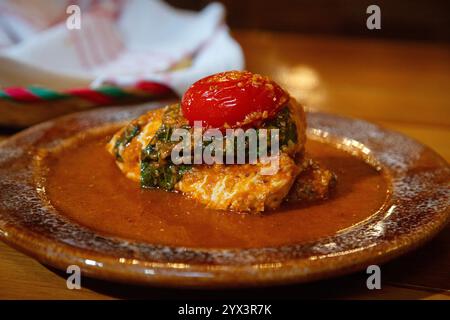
[{"x": 120, "y": 42}]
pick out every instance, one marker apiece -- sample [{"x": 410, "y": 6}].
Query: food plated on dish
[
  {"x": 167, "y": 194},
  {"x": 226, "y": 101}
]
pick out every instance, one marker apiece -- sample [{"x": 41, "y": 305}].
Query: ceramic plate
[{"x": 416, "y": 208}]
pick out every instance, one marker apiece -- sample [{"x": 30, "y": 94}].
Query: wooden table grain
[{"x": 401, "y": 86}]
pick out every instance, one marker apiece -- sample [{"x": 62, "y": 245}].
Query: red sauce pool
[{"x": 84, "y": 184}]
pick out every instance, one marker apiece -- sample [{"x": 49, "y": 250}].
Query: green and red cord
[{"x": 105, "y": 95}]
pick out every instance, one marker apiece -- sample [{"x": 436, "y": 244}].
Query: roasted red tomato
[{"x": 232, "y": 99}]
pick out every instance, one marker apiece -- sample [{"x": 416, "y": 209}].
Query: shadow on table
[
  {"x": 319, "y": 290},
  {"x": 6, "y": 131},
  {"x": 413, "y": 276}
]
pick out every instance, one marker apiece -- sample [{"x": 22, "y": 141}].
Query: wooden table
[{"x": 402, "y": 86}]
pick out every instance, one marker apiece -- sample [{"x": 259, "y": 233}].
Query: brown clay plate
[{"x": 392, "y": 196}]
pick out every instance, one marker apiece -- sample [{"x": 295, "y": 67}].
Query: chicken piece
[
  {"x": 225, "y": 187},
  {"x": 239, "y": 187},
  {"x": 126, "y": 145},
  {"x": 220, "y": 186},
  {"x": 312, "y": 184}
]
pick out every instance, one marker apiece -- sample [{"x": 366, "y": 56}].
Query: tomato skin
[{"x": 232, "y": 99}]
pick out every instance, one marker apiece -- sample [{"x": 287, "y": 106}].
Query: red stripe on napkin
[
  {"x": 153, "y": 87},
  {"x": 91, "y": 95},
  {"x": 21, "y": 94}
]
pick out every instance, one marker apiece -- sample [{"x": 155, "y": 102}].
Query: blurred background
[{"x": 401, "y": 19}]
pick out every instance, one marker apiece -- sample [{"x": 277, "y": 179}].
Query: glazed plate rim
[{"x": 417, "y": 209}]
